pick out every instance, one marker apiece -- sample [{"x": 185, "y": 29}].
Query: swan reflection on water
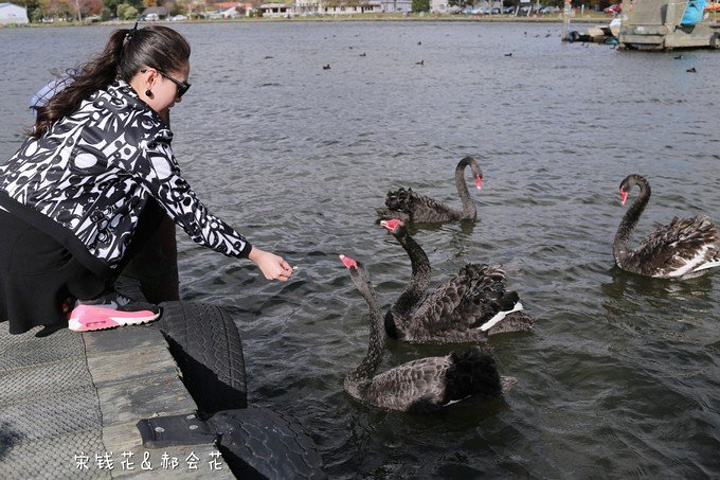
[
  {"x": 629, "y": 293},
  {"x": 624, "y": 283}
]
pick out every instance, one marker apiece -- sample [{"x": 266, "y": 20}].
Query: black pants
[{"x": 38, "y": 274}]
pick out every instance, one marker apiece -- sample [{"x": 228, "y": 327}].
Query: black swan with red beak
[
  {"x": 413, "y": 207},
  {"x": 683, "y": 249},
  {"x": 469, "y": 307},
  {"x": 421, "y": 386}
]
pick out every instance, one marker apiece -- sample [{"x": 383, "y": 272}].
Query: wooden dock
[{"x": 70, "y": 404}]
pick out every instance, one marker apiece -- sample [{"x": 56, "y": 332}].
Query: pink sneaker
[{"x": 110, "y": 311}]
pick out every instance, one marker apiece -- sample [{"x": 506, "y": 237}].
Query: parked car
[
  {"x": 469, "y": 10},
  {"x": 550, "y": 9},
  {"x": 178, "y": 18},
  {"x": 524, "y": 9}
]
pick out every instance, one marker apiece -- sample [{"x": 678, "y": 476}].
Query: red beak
[
  {"x": 348, "y": 262},
  {"x": 391, "y": 225},
  {"x": 623, "y": 197},
  {"x": 478, "y": 182}
]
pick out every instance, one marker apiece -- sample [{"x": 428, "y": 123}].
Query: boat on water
[
  {"x": 658, "y": 25},
  {"x": 669, "y": 24}
]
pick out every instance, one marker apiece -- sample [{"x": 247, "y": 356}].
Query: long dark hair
[{"x": 127, "y": 51}]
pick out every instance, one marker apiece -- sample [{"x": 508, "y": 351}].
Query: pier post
[{"x": 567, "y": 9}]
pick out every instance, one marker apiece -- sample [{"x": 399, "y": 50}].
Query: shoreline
[{"x": 338, "y": 18}]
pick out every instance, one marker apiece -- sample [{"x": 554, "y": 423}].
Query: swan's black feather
[
  {"x": 470, "y": 373},
  {"x": 412, "y": 207},
  {"x": 675, "y": 250},
  {"x": 424, "y": 385},
  {"x": 455, "y": 310}
]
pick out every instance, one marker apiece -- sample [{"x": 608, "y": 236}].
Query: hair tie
[{"x": 130, "y": 34}]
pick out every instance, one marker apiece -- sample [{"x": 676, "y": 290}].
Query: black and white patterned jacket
[{"x": 86, "y": 181}]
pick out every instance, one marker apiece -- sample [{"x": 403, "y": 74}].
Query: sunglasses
[{"x": 182, "y": 87}]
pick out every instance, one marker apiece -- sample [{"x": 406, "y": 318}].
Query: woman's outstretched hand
[{"x": 272, "y": 266}]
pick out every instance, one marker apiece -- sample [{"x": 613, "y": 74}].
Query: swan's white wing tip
[
  {"x": 499, "y": 317},
  {"x": 705, "y": 266}
]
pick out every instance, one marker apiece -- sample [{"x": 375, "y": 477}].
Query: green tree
[
  {"x": 113, "y": 5},
  {"x": 34, "y": 10},
  {"x": 131, "y": 13},
  {"x": 420, "y": 6},
  {"x": 125, "y": 11}
]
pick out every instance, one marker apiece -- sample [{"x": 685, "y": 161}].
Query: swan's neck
[
  {"x": 370, "y": 363},
  {"x": 419, "y": 282},
  {"x": 469, "y": 209},
  {"x": 630, "y": 220}
]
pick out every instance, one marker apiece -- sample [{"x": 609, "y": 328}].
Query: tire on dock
[
  {"x": 259, "y": 443},
  {"x": 207, "y": 347}
]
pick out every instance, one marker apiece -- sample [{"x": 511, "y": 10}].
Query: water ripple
[{"x": 620, "y": 374}]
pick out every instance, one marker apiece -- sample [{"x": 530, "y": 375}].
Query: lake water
[{"x": 620, "y": 377}]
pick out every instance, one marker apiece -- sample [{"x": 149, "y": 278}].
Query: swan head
[
  {"x": 358, "y": 274},
  {"x": 478, "y": 181},
  {"x": 348, "y": 262},
  {"x": 394, "y": 226},
  {"x": 629, "y": 182},
  {"x": 476, "y": 170}
]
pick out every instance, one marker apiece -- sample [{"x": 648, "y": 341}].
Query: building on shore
[
  {"x": 12, "y": 14},
  {"x": 306, "y": 8}
]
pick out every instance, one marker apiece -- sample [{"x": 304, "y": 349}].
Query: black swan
[
  {"x": 410, "y": 206},
  {"x": 424, "y": 385},
  {"x": 467, "y": 308},
  {"x": 682, "y": 249}
]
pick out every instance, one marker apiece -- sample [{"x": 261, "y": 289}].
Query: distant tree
[
  {"x": 198, "y": 6},
  {"x": 33, "y": 6},
  {"x": 113, "y": 4},
  {"x": 126, "y": 11},
  {"x": 131, "y": 13},
  {"x": 120, "y": 9},
  {"x": 36, "y": 15},
  {"x": 94, "y": 7},
  {"x": 54, "y": 8},
  {"x": 420, "y": 6},
  {"x": 86, "y": 7},
  {"x": 177, "y": 7}
]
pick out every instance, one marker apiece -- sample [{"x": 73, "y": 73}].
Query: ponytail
[{"x": 126, "y": 53}]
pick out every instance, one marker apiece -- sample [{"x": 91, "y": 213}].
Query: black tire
[
  {"x": 207, "y": 347},
  {"x": 715, "y": 41},
  {"x": 258, "y": 443},
  {"x": 573, "y": 36}
]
